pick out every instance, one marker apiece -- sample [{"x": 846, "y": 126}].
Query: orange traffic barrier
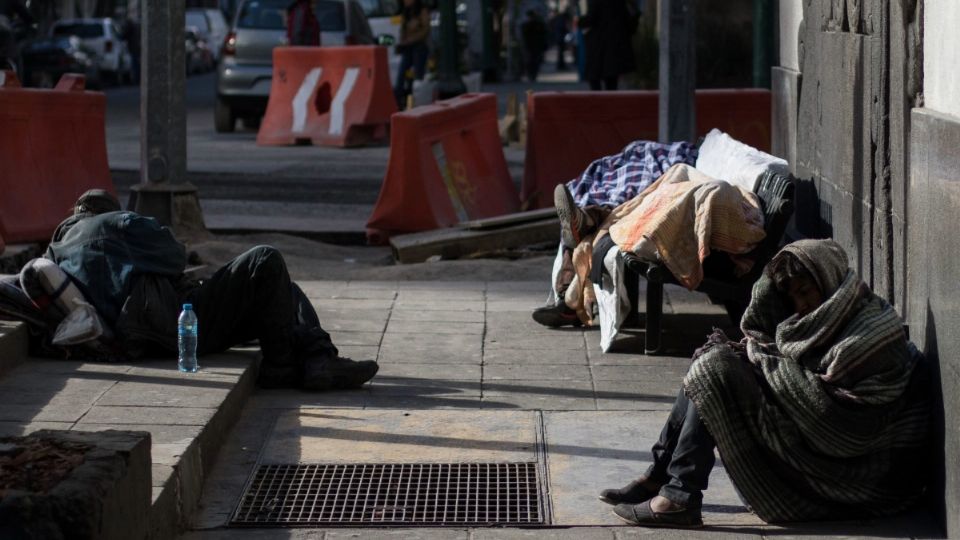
[
  {"x": 566, "y": 131},
  {"x": 52, "y": 149},
  {"x": 446, "y": 166},
  {"x": 330, "y": 96}
]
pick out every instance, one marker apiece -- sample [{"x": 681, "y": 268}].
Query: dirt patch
[
  {"x": 312, "y": 260},
  {"x": 36, "y": 465}
]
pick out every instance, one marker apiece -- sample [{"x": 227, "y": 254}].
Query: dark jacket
[
  {"x": 130, "y": 269},
  {"x": 608, "y": 28}
]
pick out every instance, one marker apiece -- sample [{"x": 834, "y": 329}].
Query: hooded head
[
  {"x": 95, "y": 202},
  {"x": 809, "y": 272}
]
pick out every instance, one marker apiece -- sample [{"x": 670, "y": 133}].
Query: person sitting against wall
[{"x": 821, "y": 412}]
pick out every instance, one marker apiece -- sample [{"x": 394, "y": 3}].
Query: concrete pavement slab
[
  {"x": 348, "y": 337},
  {"x": 322, "y": 289},
  {"x": 292, "y": 399},
  {"x": 161, "y": 434},
  {"x": 19, "y": 429},
  {"x": 433, "y": 372},
  {"x": 440, "y": 286},
  {"x": 445, "y": 295},
  {"x": 573, "y": 533},
  {"x": 140, "y": 394},
  {"x": 426, "y": 349},
  {"x": 417, "y": 327},
  {"x": 146, "y": 416},
  {"x": 560, "y": 341},
  {"x": 425, "y": 304},
  {"x": 639, "y": 373},
  {"x": 533, "y": 356},
  {"x": 513, "y": 305},
  {"x": 541, "y": 395},
  {"x": 435, "y": 315},
  {"x": 357, "y": 293},
  {"x": 358, "y": 352},
  {"x": 60, "y": 412},
  {"x": 637, "y": 396},
  {"x": 388, "y": 436},
  {"x": 541, "y": 372},
  {"x": 350, "y": 304},
  {"x": 401, "y": 534},
  {"x": 336, "y": 325},
  {"x": 421, "y": 403},
  {"x": 590, "y": 452},
  {"x": 403, "y": 386}
]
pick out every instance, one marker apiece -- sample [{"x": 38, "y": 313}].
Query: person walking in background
[
  {"x": 560, "y": 27},
  {"x": 130, "y": 32},
  {"x": 608, "y": 25},
  {"x": 303, "y": 28},
  {"x": 412, "y": 47},
  {"x": 534, "y": 33}
]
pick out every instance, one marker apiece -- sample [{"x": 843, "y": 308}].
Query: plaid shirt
[{"x": 614, "y": 180}]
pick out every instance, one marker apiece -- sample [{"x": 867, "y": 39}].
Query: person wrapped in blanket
[
  {"x": 821, "y": 412},
  {"x": 678, "y": 219},
  {"x": 585, "y": 202},
  {"x": 131, "y": 270}
]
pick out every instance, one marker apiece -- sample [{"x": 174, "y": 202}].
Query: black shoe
[
  {"x": 338, "y": 374},
  {"x": 635, "y": 492},
  {"x": 556, "y": 316},
  {"x": 641, "y": 514},
  {"x": 573, "y": 221}
]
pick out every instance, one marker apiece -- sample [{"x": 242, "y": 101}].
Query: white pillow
[{"x": 723, "y": 157}]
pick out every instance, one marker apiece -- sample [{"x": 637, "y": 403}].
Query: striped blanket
[{"x": 823, "y": 416}]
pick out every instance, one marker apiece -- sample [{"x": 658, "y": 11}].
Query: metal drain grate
[{"x": 392, "y": 494}]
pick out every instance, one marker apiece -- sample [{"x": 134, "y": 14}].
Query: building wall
[
  {"x": 941, "y": 56},
  {"x": 869, "y": 117},
  {"x": 933, "y": 246},
  {"x": 791, "y": 13}
]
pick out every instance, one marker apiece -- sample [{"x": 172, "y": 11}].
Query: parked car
[
  {"x": 246, "y": 65},
  {"x": 196, "y": 52},
  {"x": 210, "y": 25},
  {"x": 103, "y": 37},
  {"x": 46, "y": 60}
]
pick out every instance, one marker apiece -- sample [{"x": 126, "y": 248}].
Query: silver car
[{"x": 246, "y": 60}]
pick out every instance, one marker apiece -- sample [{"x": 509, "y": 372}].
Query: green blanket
[{"x": 823, "y": 416}]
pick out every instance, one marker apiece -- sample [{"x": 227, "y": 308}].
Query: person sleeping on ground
[{"x": 821, "y": 412}]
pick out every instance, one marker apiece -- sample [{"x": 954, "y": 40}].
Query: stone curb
[
  {"x": 13, "y": 345},
  {"x": 180, "y": 495}
]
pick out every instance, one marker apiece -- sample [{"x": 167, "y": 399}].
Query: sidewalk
[{"x": 465, "y": 376}]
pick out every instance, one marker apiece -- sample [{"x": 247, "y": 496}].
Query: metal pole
[
  {"x": 490, "y": 56},
  {"x": 449, "y": 83},
  {"x": 163, "y": 192},
  {"x": 762, "y": 42},
  {"x": 677, "y": 71}
]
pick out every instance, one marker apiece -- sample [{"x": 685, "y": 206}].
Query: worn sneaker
[
  {"x": 638, "y": 491},
  {"x": 645, "y": 516},
  {"x": 573, "y": 221},
  {"x": 556, "y": 316},
  {"x": 338, "y": 373}
]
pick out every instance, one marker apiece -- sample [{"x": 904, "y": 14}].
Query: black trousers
[
  {"x": 607, "y": 83},
  {"x": 252, "y": 297},
  {"x": 683, "y": 456}
]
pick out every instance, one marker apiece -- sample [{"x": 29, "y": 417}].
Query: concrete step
[{"x": 187, "y": 415}]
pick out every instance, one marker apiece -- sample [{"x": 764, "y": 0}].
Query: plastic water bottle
[{"x": 187, "y": 333}]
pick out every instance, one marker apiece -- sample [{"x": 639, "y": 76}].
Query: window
[
  {"x": 263, "y": 14},
  {"x": 81, "y": 30}
]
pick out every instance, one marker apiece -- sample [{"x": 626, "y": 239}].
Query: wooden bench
[{"x": 776, "y": 192}]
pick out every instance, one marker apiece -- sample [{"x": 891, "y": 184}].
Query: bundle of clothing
[
  {"x": 819, "y": 416},
  {"x": 613, "y": 180},
  {"x": 678, "y": 219}
]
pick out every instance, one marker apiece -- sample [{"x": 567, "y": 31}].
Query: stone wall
[
  {"x": 871, "y": 125},
  {"x": 933, "y": 246}
]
